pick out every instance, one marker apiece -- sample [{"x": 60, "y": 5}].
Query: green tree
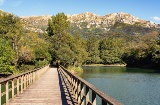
[
  {"x": 66, "y": 56},
  {"x": 92, "y": 49},
  {"x": 111, "y": 50},
  {"x": 11, "y": 29},
  {"x": 58, "y": 28},
  {"x": 78, "y": 46},
  {"x": 59, "y": 37},
  {"x": 33, "y": 48},
  {"x": 155, "y": 51},
  {"x": 6, "y": 58},
  {"x": 58, "y": 25}
]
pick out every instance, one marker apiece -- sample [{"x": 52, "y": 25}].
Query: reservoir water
[{"x": 131, "y": 86}]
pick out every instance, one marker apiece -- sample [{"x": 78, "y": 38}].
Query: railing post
[
  {"x": 33, "y": 76},
  {"x": 0, "y": 95},
  {"x": 37, "y": 74},
  {"x": 87, "y": 95},
  {"x": 29, "y": 79},
  {"x": 7, "y": 95},
  {"x": 13, "y": 88},
  {"x": 79, "y": 91},
  {"x": 22, "y": 84},
  {"x": 68, "y": 79},
  {"x": 26, "y": 80},
  {"x": 76, "y": 88},
  {"x": 103, "y": 102},
  {"x": 18, "y": 86},
  {"x": 93, "y": 98},
  {"x": 72, "y": 82},
  {"x": 82, "y": 93}
]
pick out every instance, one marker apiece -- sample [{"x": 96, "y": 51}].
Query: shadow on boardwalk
[{"x": 67, "y": 95}]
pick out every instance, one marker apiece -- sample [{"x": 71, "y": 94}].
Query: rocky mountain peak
[
  {"x": 109, "y": 19},
  {"x": 87, "y": 16},
  {"x": 36, "y": 23},
  {"x": 88, "y": 20}
]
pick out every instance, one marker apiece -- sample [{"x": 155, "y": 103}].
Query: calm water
[{"x": 129, "y": 86}]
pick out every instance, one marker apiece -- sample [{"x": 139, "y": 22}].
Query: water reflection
[
  {"x": 104, "y": 69},
  {"x": 131, "y": 86}
]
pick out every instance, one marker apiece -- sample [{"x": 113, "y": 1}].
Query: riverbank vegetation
[
  {"x": 22, "y": 50},
  {"x": 75, "y": 70}
]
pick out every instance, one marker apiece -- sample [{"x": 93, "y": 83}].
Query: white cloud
[
  {"x": 1, "y": 2},
  {"x": 156, "y": 18}
]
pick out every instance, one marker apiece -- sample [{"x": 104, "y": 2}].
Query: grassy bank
[
  {"x": 75, "y": 70},
  {"x": 122, "y": 65}
]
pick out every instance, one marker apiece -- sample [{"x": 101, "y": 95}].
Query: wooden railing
[
  {"x": 84, "y": 92},
  {"x": 13, "y": 86}
]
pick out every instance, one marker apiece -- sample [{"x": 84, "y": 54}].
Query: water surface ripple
[{"x": 131, "y": 86}]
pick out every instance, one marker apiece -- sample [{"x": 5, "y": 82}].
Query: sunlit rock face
[
  {"x": 87, "y": 20},
  {"x": 108, "y": 20}
]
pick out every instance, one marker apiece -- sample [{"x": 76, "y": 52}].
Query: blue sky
[{"x": 143, "y": 9}]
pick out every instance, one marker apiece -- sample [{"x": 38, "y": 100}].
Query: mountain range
[{"x": 89, "y": 23}]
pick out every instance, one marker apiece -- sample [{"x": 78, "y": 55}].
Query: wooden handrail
[
  {"x": 13, "y": 86},
  {"x": 81, "y": 90},
  {"x": 12, "y": 77}
]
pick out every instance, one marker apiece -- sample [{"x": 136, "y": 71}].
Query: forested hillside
[
  {"x": 138, "y": 50},
  {"x": 23, "y": 48}
]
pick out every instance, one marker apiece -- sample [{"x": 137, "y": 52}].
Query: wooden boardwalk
[{"x": 50, "y": 89}]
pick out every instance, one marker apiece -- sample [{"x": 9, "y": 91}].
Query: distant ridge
[
  {"x": 88, "y": 19},
  {"x": 90, "y": 23}
]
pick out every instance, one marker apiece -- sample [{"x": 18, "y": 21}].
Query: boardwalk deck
[{"x": 48, "y": 90}]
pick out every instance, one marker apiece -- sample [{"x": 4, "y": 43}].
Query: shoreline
[{"x": 112, "y": 65}]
